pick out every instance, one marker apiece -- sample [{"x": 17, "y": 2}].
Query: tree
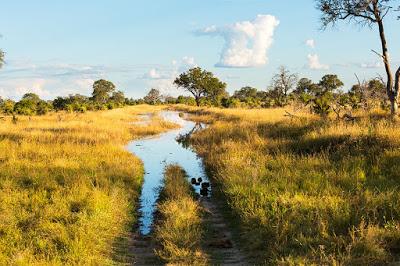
[
  {"x": 1, "y": 58},
  {"x": 28, "y": 104},
  {"x": 330, "y": 83},
  {"x": 304, "y": 85},
  {"x": 245, "y": 93},
  {"x": 216, "y": 91},
  {"x": 200, "y": 83},
  {"x": 7, "y": 107},
  {"x": 152, "y": 97},
  {"x": 366, "y": 12},
  {"x": 282, "y": 84},
  {"x": 102, "y": 91},
  {"x": 118, "y": 97}
]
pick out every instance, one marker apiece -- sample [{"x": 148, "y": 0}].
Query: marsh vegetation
[
  {"x": 305, "y": 190},
  {"x": 68, "y": 187}
]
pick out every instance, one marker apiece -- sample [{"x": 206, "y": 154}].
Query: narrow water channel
[{"x": 157, "y": 152}]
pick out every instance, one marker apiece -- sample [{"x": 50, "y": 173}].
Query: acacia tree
[
  {"x": 201, "y": 83},
  {"x": 366, "y": 12}
]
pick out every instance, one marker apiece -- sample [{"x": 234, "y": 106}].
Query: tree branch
[{"x": 378, "y": 54}]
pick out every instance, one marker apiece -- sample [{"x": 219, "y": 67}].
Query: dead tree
[{"x": 366, "y": 12}]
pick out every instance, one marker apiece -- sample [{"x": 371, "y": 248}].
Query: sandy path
[{"x": 218, "y": 243}]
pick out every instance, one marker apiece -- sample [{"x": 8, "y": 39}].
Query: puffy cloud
[
  {"x": 246, "y": 43},
  {"x": 152, "y": 74},
  {"x": 315, "y": 64},
  {"x": 310, "y": 43},
  {"x": 35, "y": 86}
]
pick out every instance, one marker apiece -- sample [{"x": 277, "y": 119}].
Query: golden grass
[
  {"x": 179, "y": 232},
  {"x": 306, "y": 191},
  {"x": 68, "y": 187}
]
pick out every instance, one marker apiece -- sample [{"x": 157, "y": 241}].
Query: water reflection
[{"x": 171, "y": 147}]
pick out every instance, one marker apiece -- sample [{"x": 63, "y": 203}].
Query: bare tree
[
  {"x": 282, "y": 84},
  {"x": 152, "y": 97},
  {"x": 366, "y": 12},
  {"x": 1, "y": 58}
]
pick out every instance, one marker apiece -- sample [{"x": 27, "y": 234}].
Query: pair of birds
[{"x": 204, "y": 185}]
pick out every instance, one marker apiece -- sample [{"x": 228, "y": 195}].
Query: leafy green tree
[
  {"x": 102, "y": 91},
  {"x": 31, "y": 97},
  {"x": 216, "y": 91},
  {"x": 152, "y": 97},
  {"x": 7, "y": 106},
  {"x": 366, "y": 12},
  {"x": 28, "y": 104},
  {"x": 118, "y": 97},
  {"x": 186, "y": 100},
  {"x": 305, "y": 85},
  {"x": 245, "y": 93},
  {"x": 201, "y": 83},
  {"x": 43, "y": 107},
  {"x": 330, "y": 83}
]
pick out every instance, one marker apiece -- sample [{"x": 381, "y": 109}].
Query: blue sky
[{"x": 60, "y": 47}]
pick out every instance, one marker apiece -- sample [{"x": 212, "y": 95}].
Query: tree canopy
[
  {"x": 102, "y": 91},
  {"x": 201, "y": 83}
]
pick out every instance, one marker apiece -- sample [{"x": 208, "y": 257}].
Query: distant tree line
[
  {"x": 323, "y": 97},
  {"x": 104, "y": 96}
]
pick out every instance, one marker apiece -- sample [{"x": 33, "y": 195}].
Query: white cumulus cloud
[
  {"x": 315, "y": 64},
  {"x": 246, "y": 43},
  {"x": 310, "y": 43}
]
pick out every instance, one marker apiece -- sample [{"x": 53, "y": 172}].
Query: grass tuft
[{"x": 179, "y": 231}]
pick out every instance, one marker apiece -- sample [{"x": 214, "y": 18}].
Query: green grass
[
  {"x": 306, "y": 191},
  {"x": 68, "y": 187},
  {"x": 179, "y": 231}
]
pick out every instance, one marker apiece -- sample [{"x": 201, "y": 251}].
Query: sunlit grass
[
  {"x": 68, "y": 187},
  {"x": 179, "y": 231},
  {"x": 306, "y": 191}
]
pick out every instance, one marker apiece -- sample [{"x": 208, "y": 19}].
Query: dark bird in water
[
  {"x": 204, "y": 192},
  {"x": 193, "y": 181},
  {"x": 205, "y": 185},
  {"x": 199, "y": 179}
]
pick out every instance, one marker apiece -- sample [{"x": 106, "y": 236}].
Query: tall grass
[
  {"x": 68, "y": 187},
  {"x": 306, "y": 191},
  {"x": 179, "y": 231}
]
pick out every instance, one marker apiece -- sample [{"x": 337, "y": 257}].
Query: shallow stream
[{"x": 159, "y": 151}]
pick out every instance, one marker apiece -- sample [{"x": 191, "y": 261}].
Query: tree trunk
[
  {"x": 197, "y": 99},
  {"x": 390, "y": 88},
  {"x": 394, "y": 103}
]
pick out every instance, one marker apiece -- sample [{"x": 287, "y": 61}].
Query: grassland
[
  {"x": 68, "y": 187},
  {"x": 304, "y": 191},
  {"x": 179, "y": 230}
]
